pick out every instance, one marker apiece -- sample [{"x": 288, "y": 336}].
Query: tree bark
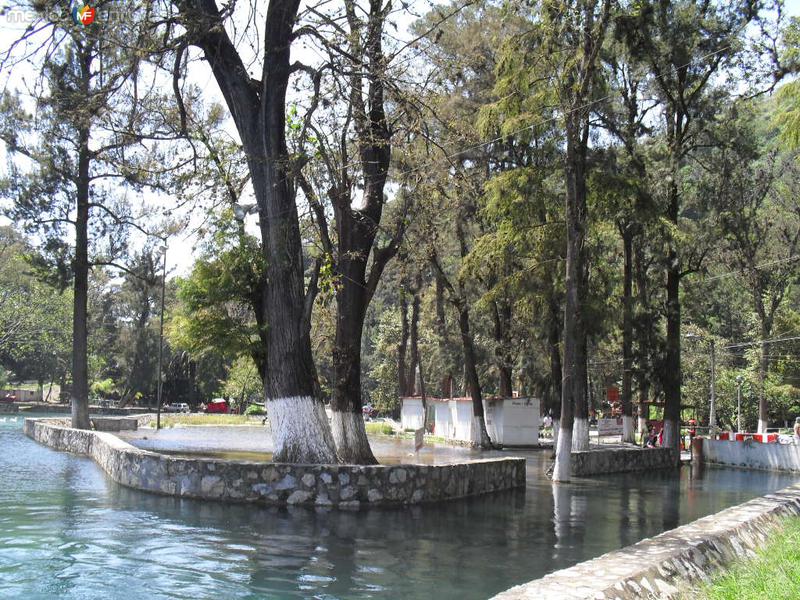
[
  {"x": 627, "y": 336},
  {"x": 644, "y": 332},
  {"x": 415, "y": 384},
  {"x": 80, "y": 348},
  {"x": 402, "y": 347},
  {"x": 501, "y": 317},
  {"x": 300, "y": 427},
  {"x": 671, "y": 375},
  {"x": 480, "y": 434},
  {"x": 574, "y": 376}
]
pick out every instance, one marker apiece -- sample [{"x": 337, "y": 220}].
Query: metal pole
[
  {"x": 161, "y": 339},
  {"x": 739, "y": 405},
  {"x": 712, "y": 415}
]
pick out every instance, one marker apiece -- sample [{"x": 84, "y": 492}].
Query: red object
[
  {"x": 612, "y": 394},
  {"x": 218, "y": 406},
  {"x": 762, "y": 438},
  {"x": 725, "y": 436}
]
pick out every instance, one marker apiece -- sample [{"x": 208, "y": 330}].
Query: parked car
[
  {"x": 177, "y": 407},
  {"x": 219, "y": 406}
]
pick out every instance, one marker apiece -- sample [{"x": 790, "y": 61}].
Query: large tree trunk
[
  {"x": 627, "y": 336},
  {"x": 402, "y": 347},
  {"x": 671, "y": 375},
  {"x": 644, "y": 332},
  {"x": 299, "y": 423},
  {"x": 300, "y": 426},
  {"x": 501, "y": 317},
  {"x": 80, "y": 348},
  {"x": 574, "y": 377},
  {"x": 347, "y": 424},
  {"x": 414, "y": 375},
  {"x": 479, "y": 432}
]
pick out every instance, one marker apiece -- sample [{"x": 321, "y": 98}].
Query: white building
[
  {"x": 509, "y": 421},
  {"x": 412, "y": 412}
]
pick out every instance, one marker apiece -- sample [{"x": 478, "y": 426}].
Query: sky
[{"x": 181, "y": 252}]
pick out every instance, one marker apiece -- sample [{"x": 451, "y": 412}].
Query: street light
[
  {"x": 712, "y": 411},
  {"x": 161, "y": 336},
  {"x": 739, "y": 382}
]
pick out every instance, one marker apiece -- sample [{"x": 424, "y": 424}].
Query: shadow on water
[{"x": 67, "y": 531}]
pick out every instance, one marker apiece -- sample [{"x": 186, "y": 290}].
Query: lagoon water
[{"x": 68, "y": 531}]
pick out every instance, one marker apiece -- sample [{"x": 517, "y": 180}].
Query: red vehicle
[{"x": 219, "y": 406}]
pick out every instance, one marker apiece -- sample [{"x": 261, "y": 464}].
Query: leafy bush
[
  {"x": 380, "y": 428},
  {"x": 255, "y": 409}
]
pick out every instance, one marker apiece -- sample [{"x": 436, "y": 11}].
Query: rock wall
[
  {"x": 662, "y": 566},
  {"x": 752, "y": 455},
  {"x": 342, "y": 486},
  {"x": 620, "y": 459}
]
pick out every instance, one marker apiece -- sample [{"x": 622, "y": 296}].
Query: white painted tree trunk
[
  {"x": 762, "y": 426},
  {"x": 627, "y": 430},
  {"x": 562, "y": 468},
  {"x": 480, "y": 435},
  {"x": 350, "y": 437},
  {"x": 670, "y": 437},
  {"x": 556, "y": 427},
  {"x": 300, "y": 431},
  {"x": 580, "y": 434},
  {"x": 642, "y": 427}
]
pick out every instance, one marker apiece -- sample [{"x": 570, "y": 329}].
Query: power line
[
  {"x": 759, "y": 266},
  {"x": 771, "y": 341}
]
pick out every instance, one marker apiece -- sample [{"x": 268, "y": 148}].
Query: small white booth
[
  {"x": 412, "y": 412},
  {"x": 461, "y": 417},
  {"x": 442, "y": 418},
  {"x": 513, "y": 421}
]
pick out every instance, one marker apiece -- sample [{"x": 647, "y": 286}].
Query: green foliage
[
  {"x": 773, "y": 573},
  {"x": 382, "y": 428},
  {"x": 35, "y": 318},
  {"x": 103, "y": 388},
  {"x": 243, "y": 382},
  {"x": 215, "y": 313},
  {"x": 255, "y": 409},
  {"x": 384, "y": 372}
]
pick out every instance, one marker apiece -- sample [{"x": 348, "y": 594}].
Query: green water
[{"x": 68, "y": 531}]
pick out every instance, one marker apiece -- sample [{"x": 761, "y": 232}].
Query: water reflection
[{"x": 67, "y": 531}]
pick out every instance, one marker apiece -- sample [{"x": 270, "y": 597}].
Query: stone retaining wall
[
  {"x": 620, "y": 459},
  {"x": 752, "y": 455},
  {"x": 342, "y": 486},
  {"x": 661, "y": 566}
]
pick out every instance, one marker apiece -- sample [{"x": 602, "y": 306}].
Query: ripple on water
[{"x": 67, "y": 531}]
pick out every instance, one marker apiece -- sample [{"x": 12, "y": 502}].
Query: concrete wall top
[
  {"x": 333, "y": 486},
  {"x": 664, "y": 566}
]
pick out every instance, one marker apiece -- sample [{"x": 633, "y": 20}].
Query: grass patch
[
  {"x": 773, "y": 574},
  {"x": 379, "y": 428},
  {"x": 171, "y": 420}
]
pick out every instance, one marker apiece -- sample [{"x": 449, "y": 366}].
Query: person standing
[{"x": 797, "y": 431}]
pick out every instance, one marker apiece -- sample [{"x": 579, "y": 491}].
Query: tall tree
[
  {"x": 85, "y": 115},
  {"x": 258, "y": 108},
  {"x": 684, "y": 45},
  {"x": 564, "y": 44},
  {"x": 355, "y": 242}
]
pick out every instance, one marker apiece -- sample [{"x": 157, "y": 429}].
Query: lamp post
[
  {"x": 161, "y": 337},
  {"x": 739, "y": 382}
]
